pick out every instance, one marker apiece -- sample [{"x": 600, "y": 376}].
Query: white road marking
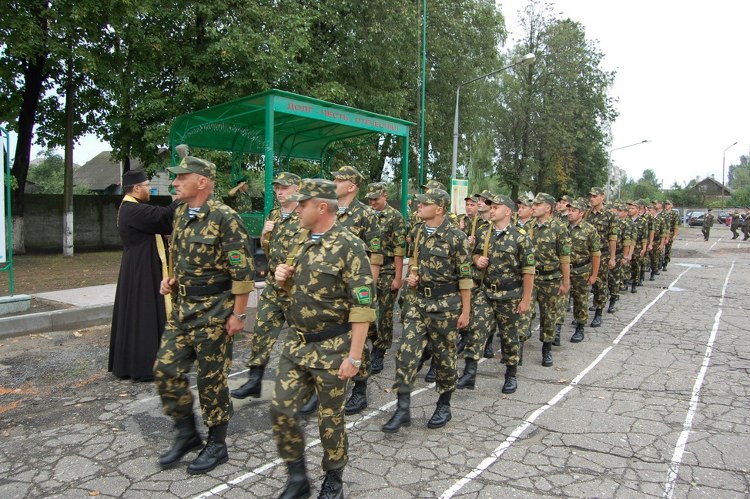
[
  {"x": 674, "y": 466},
  {"x": 516, "y": 434}
]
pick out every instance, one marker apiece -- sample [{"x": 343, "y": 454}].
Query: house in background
[
  {"x": 710, "y": 189},
  {"x": 103, "y": 175}
]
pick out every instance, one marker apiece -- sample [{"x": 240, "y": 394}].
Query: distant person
[
  {"x": 708, "y": 222},
  {"x": 139, "y": 313},
  {"x": 735, "y": 224},
  {"x": 240, "y": 199},
  {"x": 746, "y": 225}
]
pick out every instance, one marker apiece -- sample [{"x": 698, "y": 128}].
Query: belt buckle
[
  {"x": 493, "y": 288},
  {"x": 427, "y": 292},
  {"x": 301, "y": 337},
  {"x": 181, "y": 290}
]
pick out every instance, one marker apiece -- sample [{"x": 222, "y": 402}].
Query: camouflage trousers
[
  {"x": 600, "y": 289},
  {"x": 508, "y": 323},
  {"x": 382, "y": 332},
  {"x": 481, "y": 325},
  {"x": 615, "y": 279},
  {"x": 294, "y": 383},
  {"x": 439, "y": 331},
  {"x": 562, "y": 307},
  {"x": 706, "y": 231},
  {"x": 579, "y": 290},
  {"x": 667, "y": 252},
  {"x": 211, "y": 346},
  {"x": 549, "y": 307},
  {"x": 635, "y": 266},
  {"x": 655, "y": 256},
  {"x": 524, "y": 326},
  {"x": 269, "y": 322}
]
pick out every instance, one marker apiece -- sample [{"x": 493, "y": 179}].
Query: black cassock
[{"x": 139, "y": 315}]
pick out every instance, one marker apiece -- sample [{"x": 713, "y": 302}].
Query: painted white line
[
  {"x": 516, "y": 434},
  {"x": 679, "y": 450},
  {"x": 714, "y": 244}
]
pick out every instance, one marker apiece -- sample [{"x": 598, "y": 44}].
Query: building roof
[
  {"x": 710, "y": 185},
  {"x": 99, "y": 173}
]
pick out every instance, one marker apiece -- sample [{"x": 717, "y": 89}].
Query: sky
[{"x": 679, "y": 82}]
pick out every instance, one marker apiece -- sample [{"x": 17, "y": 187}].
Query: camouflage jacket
[
  {"x": 360, "y": 220},
  {"x": 708, "y": 221},
  {"x": 527, "y": 227},
  {"x": 442, "y": 258},
  {"x": 469, "y": 223},
  {"x": 625, "y": 236},
  {"x": 281, "y": 241},
  {"x": 605, "y": 223},
  {"x": 476, "y": 274},
  {"x": 511, "y": 255},
  {"x": 674, "y": 222},
  {"x": 660, "y": 226},
  {"x": 331, "y": 285},
  {"x": 212, "y": 248},
  {"x": 241, "y": 202},
  {"x": 584, "y": 244},
  {"x": 393, "y": 231},
  {"x": 640, "y": 232},
  {"x": 551, "y": 248}
]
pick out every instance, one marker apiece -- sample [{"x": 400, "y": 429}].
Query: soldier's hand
[
  {"x": 347, "y": 370},
  {"x": 612, "y": 263},
  {"x": 482, "y": 262},
  {"x": 461, "y": 224},
  {"x": 564, "y": 288},
  {"x": 472, "y": 240},
  {"x": 463, "y": 320},
  {"x": 397, "y": 283},
  {"x": 592, "y": 280},
  {"x": 234, "y": 325},
  {"x": 167, "y": 286},
  {"x": 269, "y": 225},
  {"x": 412, "y": 280},
  {"x": 523, "y": 306},
  {"x": 283, "y": 272}
]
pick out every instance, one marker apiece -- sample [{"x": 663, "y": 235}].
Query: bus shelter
[{"x": 281, "y": 126}]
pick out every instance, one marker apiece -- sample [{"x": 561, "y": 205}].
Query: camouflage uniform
[
  {"x": 640, "y": 239},
  {"x": 673, "y": 222},
  {"x": 656, "y": 252},
  {"x": 585, "y": 244},
  {"x": 606, "y": 226},
  {"x": 624, "y": 241},
  {"x": 708, "y": 222},
  {"x": 211, "y": 258},
  {"x": 481, "y": 325},
  {"x": 527, "y": 228},
  {"x": 241, "y": 202},
  {"x": 331, "y": 287}
]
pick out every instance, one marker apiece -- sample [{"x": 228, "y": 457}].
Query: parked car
[
  {"x": 724, "y": 217},
  {"x": 696, "y": 218},
  {"x": 691, "y": 214}
]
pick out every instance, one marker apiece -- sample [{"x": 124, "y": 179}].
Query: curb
[{"x": 57, "y": 320}]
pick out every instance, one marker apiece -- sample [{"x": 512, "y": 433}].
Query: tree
[{"x": 48, "y": 175}]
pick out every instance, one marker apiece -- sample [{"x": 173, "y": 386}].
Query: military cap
[
  {"x": 502, "y": 199},
  {"x": 286, "y": 178},
  {"x": 525, "y": 200},
  {"x": 709, "y": 209},
  {"x": 133, "y": 177},
  {"x": 578, "y": 204},
  {"x": 191, "y": 164},
  {"x": 435, "y": 196},
  {"x": 542, "y": 198},
  {"x": 469, "y": 198},
  {"x": 432, "y": 184},
  {"x": 655, "y": 202},
  {"x": 375, "y": 190},
  {"x": 349, "y": 173},
  {"x": 314, "y": 188},
  {"x": 486, "y": 194},
  {"x": 595, "y": 191},
  {"x": 565, "y": 198},
  {"x": 640, "y": 202},
  {"x": 669, "y": 201}
]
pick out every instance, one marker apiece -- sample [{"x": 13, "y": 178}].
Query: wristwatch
[
  {"x": 239, "y": 317},
  {"x": 355, "y": 363}
]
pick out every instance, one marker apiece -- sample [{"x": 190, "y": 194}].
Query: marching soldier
[
  {"x": 280, "y": 236},
  {"x": 708, "y": 222},
  {"x": 212, "y": 278},
  {"x": 606, "y": 226},
  {"x": 735, "y": 223},
  {"x": 658, "y": 242},
  {"x": 440, "y": 275},
  {"x": 552, "y": 281},
  {"x": 525, "y": 222},
  {"x": 745, "y": 225},
  {"x": 673, "y": 226},
  {"x": 640, "y": 235},
  {"x": 467, "y": 221},
  {"x": 330, "y": 307},
  {"x": 483, "y": 221},
  {"x": 585, "y": 255},
  {"x": 393, "y": 230},
  {"x": 623, "y": 251}
]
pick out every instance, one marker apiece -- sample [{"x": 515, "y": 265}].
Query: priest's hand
[{"x": 168, "y": 286}]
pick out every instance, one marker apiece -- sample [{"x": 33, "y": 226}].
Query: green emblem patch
[
  {"x": 465, "y": 269},
  {"x": 236, "y": 258},
  {"x": 401, "y": 240},
  {"x": 375, "y": 244},
  {"x": 530, "y": 261},
  {"x": 566, "y": 250},
  {"x": 363, "y": 294}
]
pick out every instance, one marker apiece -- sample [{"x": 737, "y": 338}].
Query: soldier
[
  {"x": 708, "y": 222},
  {"x": 281, "y": 234},
  {"x": 651, "y": 232},
  {"x": 239, "y": 197},
  {"x": 483, "y": 220},
  {"x": 552, "y": 281},
  {"x": 467, "y": 222},
  {"x": 330, "y": 307},
  {"x": 640, "y": 235},
  {"x": 440, "y": 275},
  {"x": 735, "y": 223},
  {"x": 414, "y": 218},
  {"x": 745, "y": 225},
  {"x": 659, "y": 239},
  {"x": 564, "y": 303},
  {"x": 361, "y": 221},
  {"x": 673, "y": 224},
  {"x": 561, "y": 208},
  {"x": 393, "y": 230},
  {"x": 585, "y": 255},
  {"x": 212, "y": 277},
  {"x": 505, "y": 257},
  {"x": 605, "y": 223},
  {"x": 623, "y": 252},
  {"x": 525, "y": 222}
]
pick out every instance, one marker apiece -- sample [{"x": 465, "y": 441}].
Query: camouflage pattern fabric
[
  {"x": 393, "y": 229},
  {"x": 673, "y": 222},
  {"x": 640, "y": 231},
  {"x": 526, "y": 319},
  {"x": 443, "y": 259},
  {"x": 585, "y": 244},
  {"x": 551, "y": 242},
  {"x": 331, "y": 285},
  {"x": 624, "y": 240},
  {"x": 656, "y": 253},
  {"x": 210, "y": 249},
  {"x": 606, "y": 226},
  {"x": 241, "y": 202}
]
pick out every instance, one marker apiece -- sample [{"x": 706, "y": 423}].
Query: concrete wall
[{"x": 94, "y": 222}]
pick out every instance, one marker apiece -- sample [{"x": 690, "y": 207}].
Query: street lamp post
[
  {"x": 723, "y": 162},
  {"x": 609, "y": 163},
  {"x": 525, "y": 61}
]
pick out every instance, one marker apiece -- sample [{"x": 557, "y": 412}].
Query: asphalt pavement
[{"x": 652, "y": 404}]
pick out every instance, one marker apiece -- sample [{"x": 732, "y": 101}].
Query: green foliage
[{"x": 49, "y": 176}]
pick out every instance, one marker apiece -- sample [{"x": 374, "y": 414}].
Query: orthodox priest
[{"x": 139, "y": 312}]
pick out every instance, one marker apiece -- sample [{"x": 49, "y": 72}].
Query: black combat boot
[
  {"x": 377, "y": 356},
  {"x": 664, "y": 266},
  {"x": 186, "y": 440},
  {"x": 214, "y": 453},
  {"x": 402, "y": 416},
  {"x": 489, "y": 352},
  {"x": 310, "y": 406},
  {"x": 652, "y": 277},
  {"x": 358, "y": 401},
  {"x": 469, "y": 377},
  {"x": 431, "y": 375},
  {"x": 578, "y": 335},
  {"x": 558, "y": 330},
  {"x": 592, "y": 308},
  {"x": 298, "y": 485},
  {"x": 442, "y": 413},
  {"x": 511, "y": 385},
  {"x": 632, "y": 288},
  {"x": 252, "y": 386},
  {"x": 597, "y": 318},
  {"x": 643, "y": 278},
  {"x": 547, "y": 354},
  {"x": 612, "y": 301},
  {"x": 333, "y": 485}
]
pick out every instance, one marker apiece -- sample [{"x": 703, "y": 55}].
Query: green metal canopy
[{"x": 284, "y": 125}]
